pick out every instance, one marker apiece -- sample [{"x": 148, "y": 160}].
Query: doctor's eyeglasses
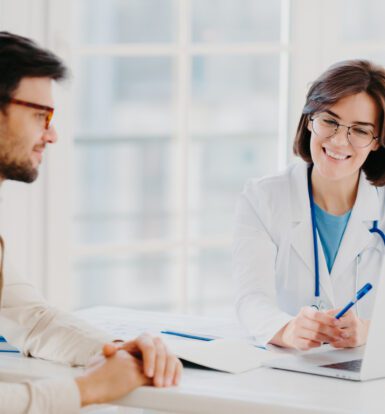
[
  {"x": 325, "y": 126},
  {"x": 48, "y": 109}
]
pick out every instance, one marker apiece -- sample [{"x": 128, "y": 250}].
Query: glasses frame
[
  {"x": 33, "y": 105},
  {"x": 338, "y": 125}
]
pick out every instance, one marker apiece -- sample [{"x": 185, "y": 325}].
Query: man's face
[{"x": 23, "y": 133}]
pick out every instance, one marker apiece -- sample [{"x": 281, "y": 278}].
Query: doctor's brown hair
[{"x": 339, "y": 81}]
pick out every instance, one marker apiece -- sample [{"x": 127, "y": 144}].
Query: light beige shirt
[{"x": 42, "y": 331}]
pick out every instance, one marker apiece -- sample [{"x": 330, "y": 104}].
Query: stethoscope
[{"x": 318, "y": 303}]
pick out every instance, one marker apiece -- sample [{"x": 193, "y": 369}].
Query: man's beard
[
  {"x": 22, "y": 171},
  {"x": 12, "y": 168}
]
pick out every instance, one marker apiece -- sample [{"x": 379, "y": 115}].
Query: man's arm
[
  {"x": 42, "y": 331},
  {"x": 104, "y": 380},
  {"x": 59, "y": 396}
]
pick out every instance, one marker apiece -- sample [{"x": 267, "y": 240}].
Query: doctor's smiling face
[
  {"x": 338, "y": 152},
  {"x": 342, "y": 126}
]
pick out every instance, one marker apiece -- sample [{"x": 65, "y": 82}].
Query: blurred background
[{"x": 171, "y": 106}]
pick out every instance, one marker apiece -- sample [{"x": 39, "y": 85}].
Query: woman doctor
[{"x": 332, "y": 206}]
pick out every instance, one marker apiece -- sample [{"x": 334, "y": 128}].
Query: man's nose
[{"x": 50, "y": 135}]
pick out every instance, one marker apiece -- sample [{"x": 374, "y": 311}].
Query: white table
[{"x": 262, "y": 390}]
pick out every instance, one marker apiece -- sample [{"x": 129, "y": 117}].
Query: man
[{"x": 26, "y": 108}]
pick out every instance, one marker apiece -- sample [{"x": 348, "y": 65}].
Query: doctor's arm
[
  {"x": 254, "y": 258},
  {"x": 254, "y": 262}
]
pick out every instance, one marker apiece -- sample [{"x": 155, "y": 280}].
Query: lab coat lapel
[
  {"x": 357, "y": 235},
  {"x": 302, "y": 237},
  {"x": 324, "y": 275},
  {"x": 302, "y": 242}
]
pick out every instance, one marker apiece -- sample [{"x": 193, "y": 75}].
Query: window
[{"x": 175, "y": 103}]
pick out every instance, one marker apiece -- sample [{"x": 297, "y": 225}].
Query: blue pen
[
  {"x": 360, "y": 294},
  {"x": 189, "y": 336}
]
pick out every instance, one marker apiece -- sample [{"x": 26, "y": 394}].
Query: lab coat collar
[
  {"x": 355, "y": 239},
  {"x": 357, "y": 236},
  {"x": 366, "y": 207}
]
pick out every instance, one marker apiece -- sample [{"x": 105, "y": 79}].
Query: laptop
[{"x": 357, "y": 364}]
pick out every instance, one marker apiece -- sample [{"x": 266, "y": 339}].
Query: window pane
[
  {"x": 235, "y": 134},
  {"x": 210, "y": 283},
  {"x": 364, "y": 22},
  {"x": 125, "y": 21},
  {"x": 142, "y": 281},
  {"x": 219, "y": 168},
  {"x": 124, "y": 96},
  {"x": 123, "y": 153},
  {"x": 235, "y": 21},
  {"x": 234, "y": 94},
  {"x": 123, "y": 190}
]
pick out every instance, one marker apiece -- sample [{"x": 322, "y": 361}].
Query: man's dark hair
[
  {"x": 339, "y": 81},
  {"x": 21, "y": 58}
]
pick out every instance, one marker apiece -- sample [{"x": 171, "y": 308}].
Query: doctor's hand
[
  {"x": 354, "y": 331},
  {"x": 309, "y": 329},
  {"x": 159, "y": 364}
]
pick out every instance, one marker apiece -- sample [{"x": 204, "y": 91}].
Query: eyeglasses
[
  {"x": 48, "y": 109},
  {"x": 358, "y": 136}
]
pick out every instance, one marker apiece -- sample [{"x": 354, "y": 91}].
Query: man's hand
[
  {"x": 309, "y": 329},
  {"x": 354, "y": 331},
  {"x": 158, "y": 363},
  {"x": 106, "y": 379}
]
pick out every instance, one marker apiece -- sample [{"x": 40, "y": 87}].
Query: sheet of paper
[
  {"x": 6, "y": 346},
  {"x": 229, "y": 355},
  {"x": 128, "y": 323}
]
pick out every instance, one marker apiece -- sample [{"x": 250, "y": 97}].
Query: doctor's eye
[
  {"x": 362, "y": 131},
  {"x": 329, "y": 122}
]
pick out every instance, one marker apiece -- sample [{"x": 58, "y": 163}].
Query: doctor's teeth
[{"x": 335, "y": 156}]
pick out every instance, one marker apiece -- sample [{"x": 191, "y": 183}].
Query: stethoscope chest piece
[{"x": 319, "y": 305}]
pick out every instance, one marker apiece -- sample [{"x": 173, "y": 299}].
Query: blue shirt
[{"x": 331, "y": 230}]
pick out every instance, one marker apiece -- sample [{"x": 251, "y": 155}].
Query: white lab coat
[{"x": 273, "y": 255}]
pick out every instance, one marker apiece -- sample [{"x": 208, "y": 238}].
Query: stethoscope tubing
[{"x": 314, "y": 234}]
